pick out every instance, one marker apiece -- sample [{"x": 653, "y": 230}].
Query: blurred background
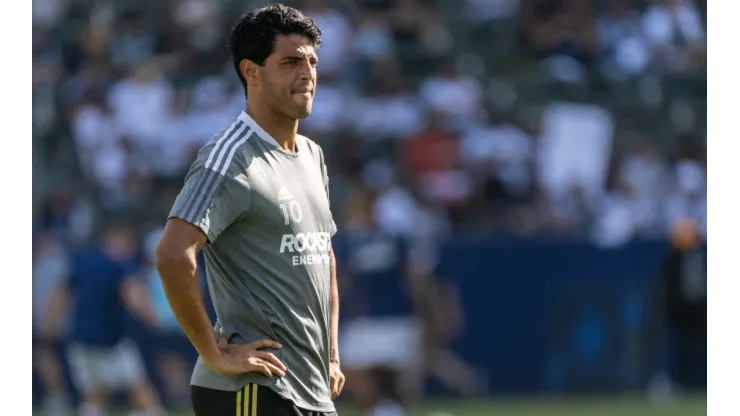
[{"x": 544, "y": 160}]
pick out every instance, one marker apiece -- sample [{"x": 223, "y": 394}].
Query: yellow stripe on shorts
[
  {"x": 254, "y": 400},
  {"x": 239, "y": 403}
]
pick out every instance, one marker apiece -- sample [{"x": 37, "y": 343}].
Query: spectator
[
  {"x": 50, "y": 268},
  {"x": 646, "y": 173},
  {"x": 502, "y": 155},
  {"x": 132, "y": 42},
  {"x": 100, "y": 149},
  {"x": 329, "y": 114},
  {"x": 625, "y": 46},
  {"x": 451, "y": 94},
  {"x": 176, "y": 353},
  {"x": 563, "y": 35},
  {"x": 336, "y": 34},
  {"x": 688, "y": 198},
  {"x": 142, "y": 105},
  {"x": 434, "y": 166},
  {"x": 200, "y": 20},
  {"x": 684, "y": 285},
  {"x": 676, "y": 35}
]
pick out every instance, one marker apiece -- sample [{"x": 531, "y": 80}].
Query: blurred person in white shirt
[
  {"x": 373, "y": 39},
  {"x": 676, "y": 33},
  {"x": 336, "y": 32},
  {"x": 332, "y": 111},
  {"x": 100, "y": 148},
  {"x": 48, "y": 13},
  {"x": 452, "y": 94},
  {"x": 688, "y": 199},
  {"x": 500, "y": 151},
  {"x": 646, "y": 172},
  {"x": 142, "y": 105},
  {"x": 200, "y": 20},
  {"x": 390, "y": 110},
  {"x": 617, "y": 216},
  {"x": 209, "y": 110},
  {"x": 395, "y": 208},
  {"x": 623, "y": 39}
]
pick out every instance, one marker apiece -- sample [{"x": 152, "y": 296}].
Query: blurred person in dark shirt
[
  {"x": 383, "y": 283},
  {"x": 685, "y": 291},
  {"x": 50, "y": 264},
  {"x": 175, "y": 354},
  {"x": 101, "y": 289}
]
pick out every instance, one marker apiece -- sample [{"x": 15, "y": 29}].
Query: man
[
  {"x": 256, "y": 202},
  {"x": 387, "y": 285},
  {"x": 175, "y": 355},
  {"x": 684, "y": 291},
  {"x": 50, "y": 267},
  {"x": 101, "y": 290}
]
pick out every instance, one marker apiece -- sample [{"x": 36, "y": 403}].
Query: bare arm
[
  {"x": 336, "y": 378},
  {"x": 177, "y": 266},
  {"x": 418, "y": 274},
  {"x": 135, "y": 298},
  {"x": 53, "y": 314},
  {"x": 333, "y": 310}
]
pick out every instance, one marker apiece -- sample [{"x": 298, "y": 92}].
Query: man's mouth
[{"x": 305, "y": 90}]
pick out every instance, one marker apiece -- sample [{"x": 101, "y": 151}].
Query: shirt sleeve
[{"x": 211, "y": 200}]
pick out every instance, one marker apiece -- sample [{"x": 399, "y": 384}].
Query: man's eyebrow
[{"x": 298, "y": 58}]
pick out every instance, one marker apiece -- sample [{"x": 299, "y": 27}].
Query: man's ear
[{"x": 248, "y": 70}]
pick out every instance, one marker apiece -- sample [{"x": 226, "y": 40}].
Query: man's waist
[{"x": 300, "y": 386}]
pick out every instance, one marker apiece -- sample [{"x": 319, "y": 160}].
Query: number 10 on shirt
[{"x": 291, "y": 210}]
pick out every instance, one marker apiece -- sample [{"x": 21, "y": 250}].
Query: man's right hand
[{"x": 247, "y": 358}]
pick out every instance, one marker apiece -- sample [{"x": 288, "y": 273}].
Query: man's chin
[{"x": 302, "y": 112}]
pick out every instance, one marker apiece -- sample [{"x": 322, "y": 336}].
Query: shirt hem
[{"x": 313, "y": 407}]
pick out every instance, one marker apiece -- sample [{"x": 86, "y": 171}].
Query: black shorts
[{"x": 252, "y": 400}]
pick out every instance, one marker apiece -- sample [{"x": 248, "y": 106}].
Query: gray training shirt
[{"x": 266, "y": 213}]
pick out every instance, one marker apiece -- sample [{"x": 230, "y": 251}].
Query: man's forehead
[{"x": 294, "y": 45}]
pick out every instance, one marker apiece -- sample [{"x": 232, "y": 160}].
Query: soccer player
[
  {"x": 50, "y": 267},
  {"x": 256, "y": 202},
  {"x": 101, "y": 288},
  {"x": 387, "y": 280}
]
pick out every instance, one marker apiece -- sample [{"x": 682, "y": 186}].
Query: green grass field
[
  {"x": 566, "y": 407},
  {"x": 620, "y": 406}
]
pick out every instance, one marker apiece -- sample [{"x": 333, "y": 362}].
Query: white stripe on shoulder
[
  {"x": 223, "y": 159},
  {"x": 243, "y": 137},
  {"x": 219, "y": 144}
]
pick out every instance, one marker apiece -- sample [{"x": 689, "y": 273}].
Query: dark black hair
[{"x": 253, "y": 37}]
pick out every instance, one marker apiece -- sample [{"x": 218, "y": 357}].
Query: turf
[{"x": 570, "y": 406}]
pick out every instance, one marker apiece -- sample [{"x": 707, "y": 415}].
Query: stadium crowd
[{"x": 536, "y": 118}]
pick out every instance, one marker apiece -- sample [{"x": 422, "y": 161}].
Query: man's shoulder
[
  {"x": 311, "y": 144},
  {"x": 312, "y": 147},
  {"x": 226, "y": 151}
]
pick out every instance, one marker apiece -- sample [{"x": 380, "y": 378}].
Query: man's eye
[{"x": 291, "y": 63}]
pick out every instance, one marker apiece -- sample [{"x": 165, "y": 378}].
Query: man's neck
[{"x": 282, "y": 129}]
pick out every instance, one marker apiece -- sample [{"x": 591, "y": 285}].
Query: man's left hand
[{"x": 336, "y": 379}]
